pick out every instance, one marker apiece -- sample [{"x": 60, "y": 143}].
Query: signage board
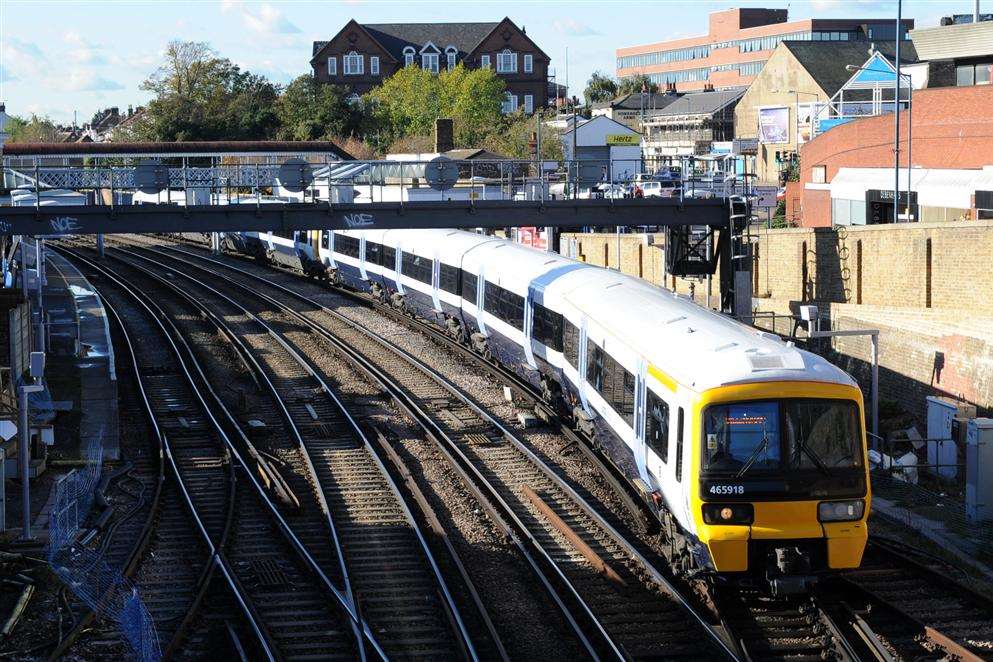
[
  {"x": 774, "y": 124},
  {"x": 623, "y": 139}
]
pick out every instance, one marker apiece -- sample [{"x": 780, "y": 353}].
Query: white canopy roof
[{"x": 934, "y": 187}]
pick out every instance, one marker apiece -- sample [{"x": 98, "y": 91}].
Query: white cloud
[
  {"x": 573, "y": 28},
  {"x": 6, "y": 76},
  {"x": 82, "y": 80},
  {"x": 22, "y": 59},
  {"x": 86, "y": 52}
]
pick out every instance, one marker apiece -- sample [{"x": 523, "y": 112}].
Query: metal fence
[{"x": 83, "y": 568}]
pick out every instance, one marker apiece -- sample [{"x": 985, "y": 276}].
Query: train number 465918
[{"x": 727, "y": 489}]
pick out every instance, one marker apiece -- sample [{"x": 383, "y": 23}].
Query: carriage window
[
  {"x": 547, "y": 327},
  {"x": 389, "y": 258},
  {"x": 372, "y": 251},
  {"x": 449, "y": 281},
  {"x": 285, "y": 234},
  {"x": 594, "y": 365},
  {"x": 346, "y": 245},
  {"x": 505, "y": 305},
  {"x": 570, "y": 343},
  {"x": 657, "y": 426},
  {"x": 326, "y": 240},
  {"x": 469, "y": 287},
  {"x": 417, "y": 267},
  {"x": 679, "y": 446}
]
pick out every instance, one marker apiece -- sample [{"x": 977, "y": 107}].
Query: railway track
[
  {"x": 287, "y": 607},
  {"x": 617, "y": 602},
  {"x": 391, "y": 570}
]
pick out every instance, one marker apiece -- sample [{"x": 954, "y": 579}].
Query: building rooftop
[
  {"x": 827, "y": 61},
  {"x": 638, "y": 100},
  {"x": 954, "y": 41},
  {"x": 702, "y": 103}
]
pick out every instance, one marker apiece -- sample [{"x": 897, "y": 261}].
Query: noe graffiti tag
[
  {"x": 64, "y": 224},
  {"x": 358, "y": 220}
]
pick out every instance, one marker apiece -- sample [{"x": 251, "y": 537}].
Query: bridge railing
[{"x": 237, "y": 180}]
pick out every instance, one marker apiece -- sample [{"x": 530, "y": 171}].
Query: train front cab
[{"x": 789, "y": 525}]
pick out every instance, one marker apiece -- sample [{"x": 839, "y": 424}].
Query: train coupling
[{"x": 789, "y": 571}]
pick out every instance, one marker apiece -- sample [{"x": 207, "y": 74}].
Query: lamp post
[
  {"x": 896, "y": 113},
  {"x": 910, "y": 136},
  {"x": 575, "y": 161}
]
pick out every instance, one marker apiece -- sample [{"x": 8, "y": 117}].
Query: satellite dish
[
  {"x": 295, "y": 175},
  {"x": 151, "y": 177},
  {"x": 441, "y": 173}
]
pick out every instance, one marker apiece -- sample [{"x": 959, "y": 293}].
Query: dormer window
[
  {"x": 429, "y": 62},
  {"x": 507, "y": 62},
  {"x": 451, "y": 54},
  {"x": 354, "y": 64},
  {"x": 408, "y": 56}
]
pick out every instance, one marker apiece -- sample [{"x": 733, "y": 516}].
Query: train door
[
  {"x": 362, "y": 273},
  {"x": 583, "y": 358},
  {"x": 533, "y": 289},
  {"x": 640, "y": 394},
  {"x": 481, "y": 299},
  {"x": 327, "y": 248},
  {"x": 396, "y": 265},
  {"x": 435, "y": 282}
]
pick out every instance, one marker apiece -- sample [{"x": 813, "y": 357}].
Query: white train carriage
[{"x": 751, "y": 451}]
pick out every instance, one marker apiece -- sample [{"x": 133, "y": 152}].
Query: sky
[{"x": 66, "y": 58}]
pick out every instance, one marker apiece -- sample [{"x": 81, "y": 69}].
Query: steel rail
[
  {"x": 287, "y": 531},
  {"x": 449, "y": 601},
  {"x": 216, "y": 555},
  {"x": 387, "y": 383}
]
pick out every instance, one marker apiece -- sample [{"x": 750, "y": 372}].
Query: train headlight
[
  {"x": 728, "y": 513},
  {"x": 840, "y": 511}
]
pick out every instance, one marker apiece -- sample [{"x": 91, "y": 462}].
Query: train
[{"x": 749, "y": 451}]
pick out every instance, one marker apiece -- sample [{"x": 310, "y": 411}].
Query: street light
[{"x": 910, "y": 138}]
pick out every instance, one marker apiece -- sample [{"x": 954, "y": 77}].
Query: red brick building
[
  {"x": 952, "y": 144},
  {"x": 362, "y": 55}
]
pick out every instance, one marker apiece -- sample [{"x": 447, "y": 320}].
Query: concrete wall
[{"x": 935, "y": 315}]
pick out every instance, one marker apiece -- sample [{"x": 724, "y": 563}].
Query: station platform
[{"x": 80, "y": 368}]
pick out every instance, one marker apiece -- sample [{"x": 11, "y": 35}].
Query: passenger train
[{"x": 751, "y": 451}]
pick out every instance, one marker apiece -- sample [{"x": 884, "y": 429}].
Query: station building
[{"x": 846, "y": 174}]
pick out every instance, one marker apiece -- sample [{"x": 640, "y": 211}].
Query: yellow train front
[{"x": 782, "y": 492}]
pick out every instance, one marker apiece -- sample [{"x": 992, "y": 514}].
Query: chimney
[{"x": 444, "y": 135}]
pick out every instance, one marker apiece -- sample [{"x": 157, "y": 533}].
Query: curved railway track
[
  {"x": 286, "y": 604},
  {"x": 389, "y": 566},
  {"x": 618, "y": 603}
]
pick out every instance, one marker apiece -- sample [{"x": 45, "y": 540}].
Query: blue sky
[{"x": 74, "y": 55}]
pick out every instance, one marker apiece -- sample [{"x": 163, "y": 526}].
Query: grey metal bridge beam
[{"x": 99, "y": 219}]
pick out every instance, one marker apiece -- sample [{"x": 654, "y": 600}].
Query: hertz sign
[{"x": 623, "y": 139}]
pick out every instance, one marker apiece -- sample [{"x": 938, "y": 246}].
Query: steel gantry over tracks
[{"x": 108, "y": 188}]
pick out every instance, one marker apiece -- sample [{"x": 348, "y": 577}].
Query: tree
[
  {"x": 200, "y": 96},
  {"x": 599, "y": 88},
  {"x": 311, "y": 110},
  {"x": 409, "y": 101},
  {"x": 35, "y": 130},
  {"x": 636, "y": 83},
  {"x": 513, "y": 138}
]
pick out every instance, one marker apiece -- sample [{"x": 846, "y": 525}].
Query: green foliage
[
  {"x": 636, "y": 83},
  {"x": 512, "y": 138},
  {"x": 310, "y": 110},
  {"x": 200, "y": 96},
  {"x": 409, "y": 102},
  {"x": 599, "y": 88},
  {"x": 35, "y": 130}
]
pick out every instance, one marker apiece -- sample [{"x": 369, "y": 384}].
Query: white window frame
[
  {"x": 408, "y": 56},
  {"x": 374, "y": 65},
  {"x": 484, "y": 61},
  {"x": 353, "y": 64},
  {"x": 509, "y": 104},
  {"x": 332, "y": 66},
  {"x": 528, "y": 63},
  {"x": 353, "y": 99},
  {"x": 507, "y": 62},
  {"x": 429, "y": 62},
  {"x": 528, "y": 103},
  {"x": 451, "y": 57}
]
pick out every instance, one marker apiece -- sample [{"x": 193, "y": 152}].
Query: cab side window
[
  {"x": 570, "y": 343},
  {"x": 657, "y": 426}
]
